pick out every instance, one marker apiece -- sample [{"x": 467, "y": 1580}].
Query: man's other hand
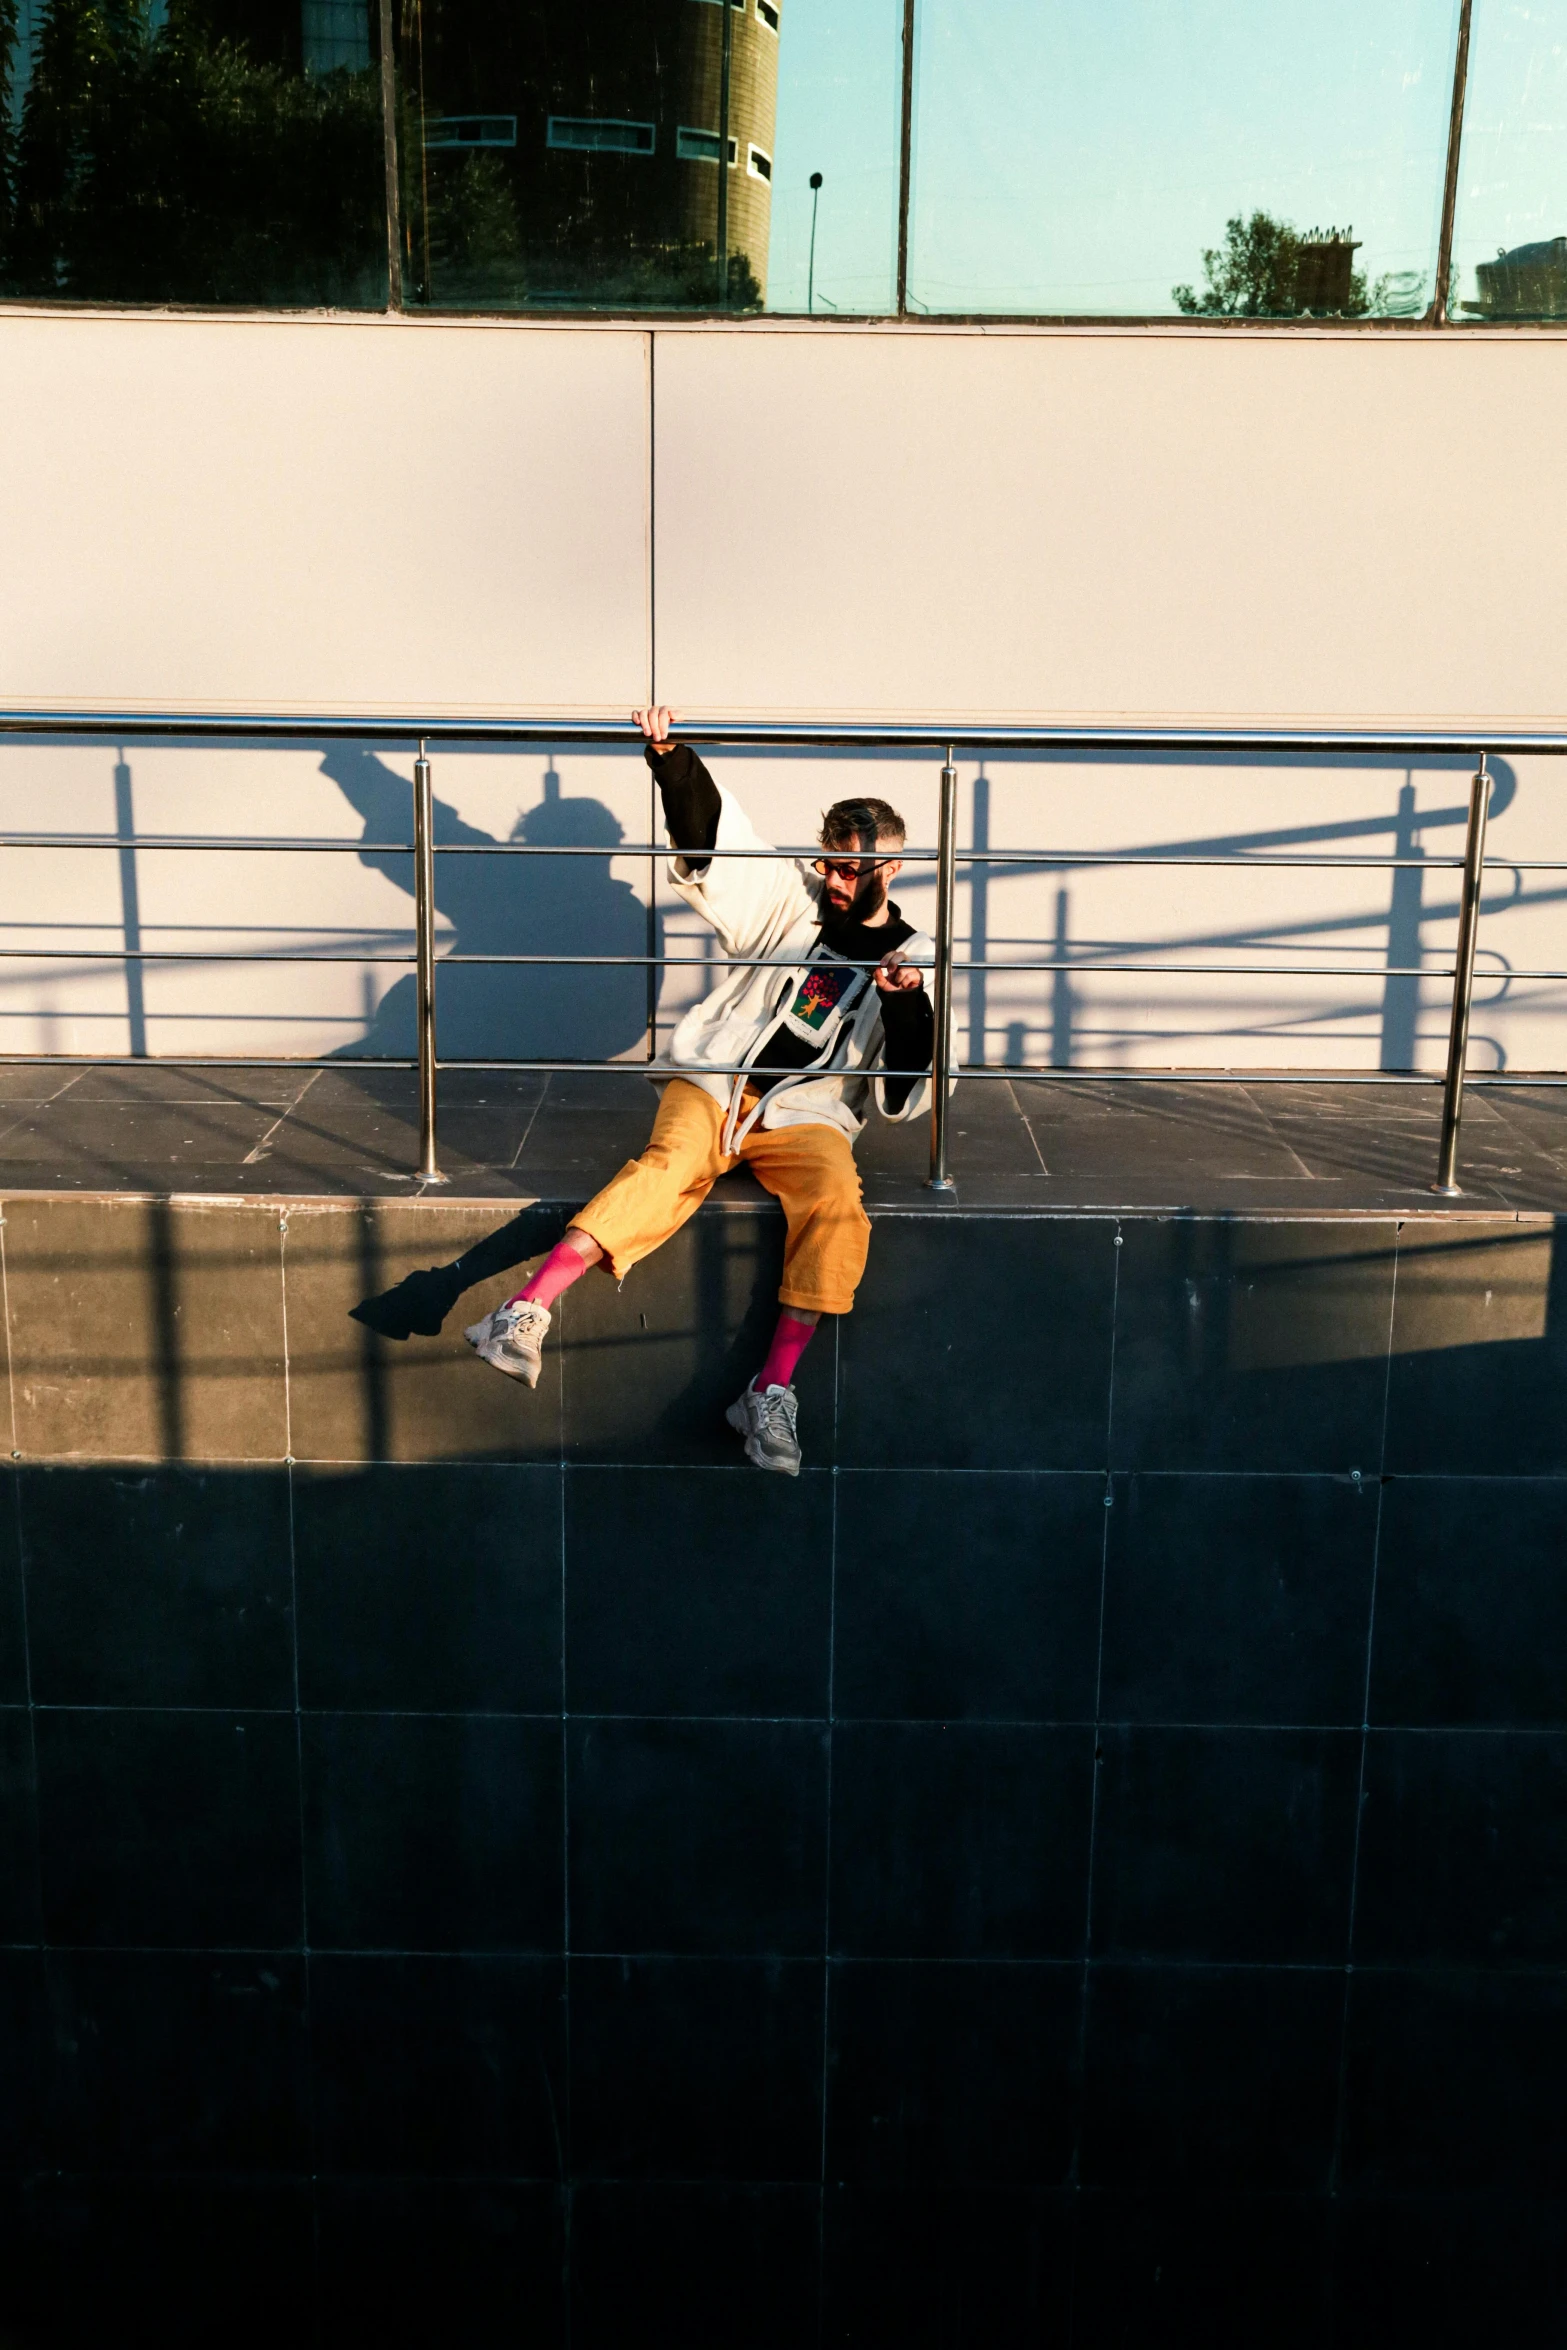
[
  {"x": 655, "y": 725},
  {"x": 893, "y": 974}
]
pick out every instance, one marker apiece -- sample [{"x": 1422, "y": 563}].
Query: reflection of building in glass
[
  {"x": 753, "y": 109},
  {"x": 605, "y": 184},
  {"x": 1528, "y": 282},
  {"x": 1324, "y": 269},
  {"x": 334, "y": 33}
]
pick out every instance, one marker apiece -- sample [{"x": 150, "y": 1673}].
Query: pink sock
[
  {"x": 559, "y": 1270},
  {"x": 790, "y": 1340}
]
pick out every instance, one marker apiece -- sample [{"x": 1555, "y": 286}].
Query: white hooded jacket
[{"x": 772, "y": 908}]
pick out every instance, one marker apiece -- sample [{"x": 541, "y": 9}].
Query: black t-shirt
[{"x": 691, "y": 810}]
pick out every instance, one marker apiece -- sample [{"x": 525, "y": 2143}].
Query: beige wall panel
[
  {"x": 316, "y": 516},
  {"x": 1112, "y": 527}
]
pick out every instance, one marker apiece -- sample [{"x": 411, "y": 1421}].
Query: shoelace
[
  {"x": 510, "y": 1319},
  {"x": 779, "y": 1407}
]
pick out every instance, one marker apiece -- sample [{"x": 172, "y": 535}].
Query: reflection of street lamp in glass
[{"x": 810, "y": 283}]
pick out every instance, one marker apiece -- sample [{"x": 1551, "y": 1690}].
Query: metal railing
[{"x": 946, "y": 857}]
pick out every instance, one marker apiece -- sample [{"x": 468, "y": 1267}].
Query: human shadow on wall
[{"x": 508, "y": 906}]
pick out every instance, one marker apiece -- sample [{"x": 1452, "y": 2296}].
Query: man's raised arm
[{"x": 690, "y": 795}]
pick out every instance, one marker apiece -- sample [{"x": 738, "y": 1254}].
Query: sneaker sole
[
  {"x": 753, "y": 1451},
  {"x": 508, "y": 1367}
]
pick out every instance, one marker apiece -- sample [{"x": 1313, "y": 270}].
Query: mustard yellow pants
[{"x": 809, "y": 1170}]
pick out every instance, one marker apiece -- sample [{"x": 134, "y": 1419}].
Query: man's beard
[{"x": 866, "y": 902}]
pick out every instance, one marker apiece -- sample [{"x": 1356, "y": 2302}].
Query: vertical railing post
[
  {"x": 1463, "y": 983},
  {"x": 941, "y": 1058},
  {"x": 424, "y": 962}
]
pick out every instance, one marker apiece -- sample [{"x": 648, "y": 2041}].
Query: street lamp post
[{"x": 810, "y": 285}]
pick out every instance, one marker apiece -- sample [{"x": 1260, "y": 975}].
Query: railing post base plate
[
  {"x": 1448, "y": 1190},
  {"x": 942, "y": 1185}
]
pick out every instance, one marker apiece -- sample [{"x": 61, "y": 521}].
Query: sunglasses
[{"x": 849, "y": 868}]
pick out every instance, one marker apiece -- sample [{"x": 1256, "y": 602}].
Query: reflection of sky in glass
[
  {"x": 1077, "y": 157},
  {"x": 840, "y": 72},
  {"x": 1512, "y": 181}
]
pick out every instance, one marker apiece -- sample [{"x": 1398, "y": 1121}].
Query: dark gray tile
[
  {"x": 356, "y": 1395},
  {"x": 1252, "y": 1346},
  {"x": 172, "y": 2061},
  {"x": 1449, "y": 2270},
  {"x": 432, "y": 1588},
  {"x": 1453, "y": 2082},
  {"x": 412, "y": 2262},
  {"x": 710, "y": 2264},
  {"x": 690, "y": 2068},
  {"x": 953, "y": 2269},
  {"x": 1479, "y": 1375},
  {"x": 584, "y": 1146},
  {"x": 963, "y": 1840},
  {"x": 965, "y": 1597},
  {"x": 697, "y": 1591},
  {"x": 159, "y": 1586},
  {"x": 1171, "y": 1131},
  {"x": 1471, "y": 1620},
  {"x": 184, "y": 2263},
  {"x": 440, "y": 2066},
  {"x": 953, "y": 2075},
  {"x": 1463, "y": 1848},
  {"x": 1238, "y": 1599},
  {"x": 651, "y": 1366},
  {"x": 433, "y": 1832},
  {"x": 1227, "y": 2271},
  {"x": 19, "y": 1915},
  {"x": 13, "y": 1612},
  {"x": 133, "y": 1083},
  {"x": 1031, "y": 1301},
  {"x": 701, "y": 1837},
  {"x": 1227, "y": 1845},
  {"x": 146, "y": 1329},
  {"x": 1220, "y": 2077},
  {"x": 170, "y": 1828},
  {"x": 25, "y": 2068},
  {"x": 109, "y": 1141}
]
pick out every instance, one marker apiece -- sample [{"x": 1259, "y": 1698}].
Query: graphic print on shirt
[{"x": 820, "y": 997}]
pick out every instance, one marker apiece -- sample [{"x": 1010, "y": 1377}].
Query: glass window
[
  {"x": 193, "y": 151},
  {"x": 1510, "y": 230},
  {"x": 1136, "y": 159},
  {"x": 610, "y": 194}
]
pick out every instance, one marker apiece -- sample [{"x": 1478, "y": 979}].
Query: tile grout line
[
  {"x": 304, "y": 1906},
  {"x": 36, "y": 1790},
  {"x": 254, "y": 1156},
  {"x": 1093, "y": 1795},
  {"x": 1336, "y": 2162},
  {"x": 566, "y": 2152},
  {"x": 533, "y": 1119},
  {"x": 832, "y": 1657}
]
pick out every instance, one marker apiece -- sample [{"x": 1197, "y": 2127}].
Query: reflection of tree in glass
[
  {"x": 601, "y": 131},
  {"x": 168, "y": 162},
  {"x": 1266, "y": 268}
]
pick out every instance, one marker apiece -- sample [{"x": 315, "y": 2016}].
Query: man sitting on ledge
[{"x": 814, "y": 1039}]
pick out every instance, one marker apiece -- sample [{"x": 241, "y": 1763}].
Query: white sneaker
[
  {"x": 766, "y": 1419},
  {"x": 510, "y": 1339}
]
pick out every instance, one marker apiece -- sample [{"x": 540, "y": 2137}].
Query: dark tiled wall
[{"x": 1085, "y": 1865}]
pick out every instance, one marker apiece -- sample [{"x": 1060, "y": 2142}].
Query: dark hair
[{"x": 847, "y": 822}]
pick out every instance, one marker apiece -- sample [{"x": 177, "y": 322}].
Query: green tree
[
  {"x": 157, "y": 164},
  {"x": 1257, "y": 272},
  {"x": 8, "y": 30}
]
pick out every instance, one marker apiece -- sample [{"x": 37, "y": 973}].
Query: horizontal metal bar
[
  {"x": 218, "y": 955},
  {"x": 986, "y": 1069},
  {"x": 1051, "y": 858},
  {"x": 661, "y": 1071},
  {"x": 1084, "y": 967},
  {"x": 234, "y": 726}
]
